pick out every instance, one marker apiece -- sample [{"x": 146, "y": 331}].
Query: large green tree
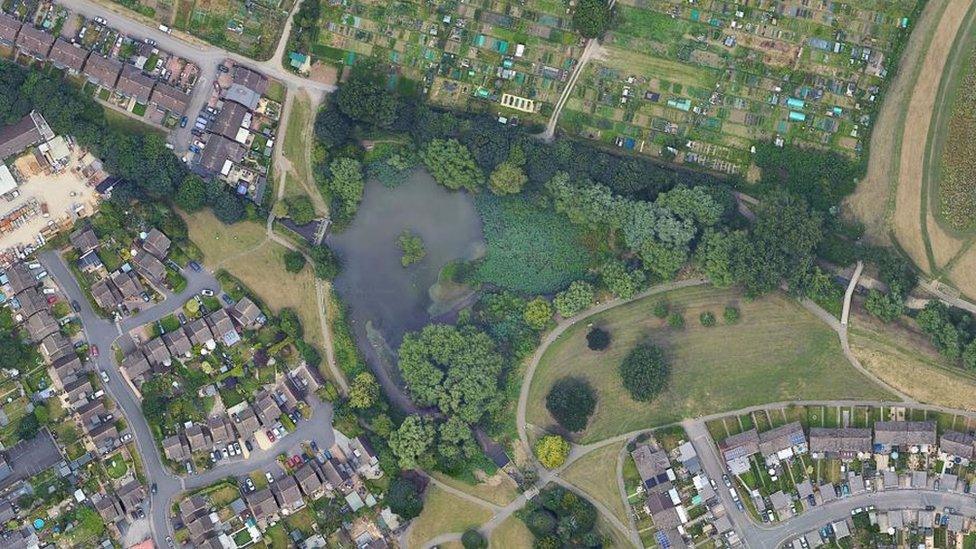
[
  {"x": 455, "y": 369},
  {"x": 450, "y": 163},
  {"x": 364, "y": 97},
  {"x": 645, "y": 372},
  {"x": 571, "y": 400},
  {"x": 577, "y": 297},
  {"x": 345, "y": 185},
  {"x": 592, "y": 18},
  {"x": 412, "y": 440}
]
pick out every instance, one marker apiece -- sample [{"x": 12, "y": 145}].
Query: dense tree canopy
[
  {"x": 364, "y": 391},
  {"x": 645, "y": 372},
  {"x": 412, "y": 440},
  {"x": 592, "y": 18},
  {"x": 450, "y": 163},
  {"x": 577, "y": 297},
  {"x": 345, "y": 185},
  {"x": 364, "y": 97},
  {"x": 403, "y": 498},
  {"x": 571, "y": 400},
  {"x": 455, "y": 369}
]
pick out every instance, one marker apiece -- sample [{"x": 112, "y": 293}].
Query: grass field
[
  {"x": 777, "y": 351},
  {"x": 510, "y": 533},
  {"x": 445, "y": 513},
  {"x": 499, "y": 489},
  {"x": 241, "y": 249},
  {"x": 596, "y": 474},
  {"x": 906, "y": 361},
  {"x": 127, "y": 124}
]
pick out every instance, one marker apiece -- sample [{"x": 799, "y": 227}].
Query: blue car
[
  {"x": 195, "y": 266},
  {"x": 183, "y": 122}
]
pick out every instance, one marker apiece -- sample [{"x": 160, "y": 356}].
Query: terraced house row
[{"x": 127, "y": 80}]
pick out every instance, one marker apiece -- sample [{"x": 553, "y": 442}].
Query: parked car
[
  {"x": 227, "y": 299},
  {"x": 93, "y": 351},
  {"x": 271, "y": 436},
  {"x": 75, "y": 305},
  {"x": 100, "y": 20},
  {"x": 126, "y": 437},
  {"x": 248, "y": 445},
  {"x": 104, "y": 375},
  {"x": 224, "y": 453},
  {"x": 183, "y": 121},
  {"x": 727, "y": 480},
  {"x": 145, "y": 296},
  {"x": 154, "y": 488},
  {"x": 195, "y": 266},
  {"x": 270, "y": 477},
  {"x": 314, "y": 445},
  {"x": 207, "y": 292},
  {"x": 48, "y": 291},
  {"x": 181, "y": 317}
]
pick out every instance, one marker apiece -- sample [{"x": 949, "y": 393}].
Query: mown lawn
[
  {"x": 511, "y": 533},
  {"x": 499, "y": 488},
  {"x": 776, "y": 351},
  {"x": 445, "y": 513},
  {"x": 596, "y": 474}
]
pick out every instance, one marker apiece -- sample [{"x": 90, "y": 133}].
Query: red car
[
  {"x": 271, "y": 436},
  {"x": 51, "y": 299},
  {"x": 93, "y": 350},
  {"x": 295, "y": 461}
]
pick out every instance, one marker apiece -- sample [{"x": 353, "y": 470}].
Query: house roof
[
  {"x": 84, "y": 238},
  {"x": 65, "y": 368},
  {"x": 16, "y": 137},
  {"x": 191, "y": 506},
  {"x": 781, "y": 438},
  {"x": 156, "y": 243},
  {"x": 128, "y": 285},
  {"x": 103, "y": 433},
  {"x": 262, "y": 504},
  {"x": 102, "y": 71},
  {"x": 156, "y": 351},
  {"x": 170, "y": 98},
  {"x": 196, "y": 437},
  {"x": 175, "y": 448},
  {"x": 41, "y": 325},
  {"x": 178, "y": 343},
  {"x": 34, "y": 42},
  {"x": 9, "y": 27},
  {"x": 250, "y": 79},
  {"x": 66, "y": 55},
  {"x": 957, "y": 444},
  {"x": 222, "y": 327},
  {"x": 287, "y": 493},
  {"x": 54, "y": 346},
  {"x": 308, "y": 479},
  {"x": 840, "y": 440},
  {"x": 247, "y": 312},
  {"x": 780, "y": 500},
  {"x": 106, "y": 294},
  {"x": 133, "y": 83},
  {"x": 131, "y": 494},
  {"x": 651, "y": 463},
  {"x": 218, "y": 151},
  {"x": 904, "y": 433},
  {"x": 333, "y": 475},
  {"x": 248, "y": 422},
  {"x": 31, "y": 302},
  {"x": 108, "y": 507},
  {"x": 91, "y": 413},
  {"x": 89, "y": 261},
  {"x": 135, "y": 365},
  {"x": 229, "y": 119},
  {"x": 220, "y": 430},
  {"x": 742, "y": 444},
  {"x": 243, "y": 95},
  {"x": 149, "y": 267},
  {"x": 267, "y": 409},
  {"x": 78, "y": 389},
  {"x": 199, "y": 332}
]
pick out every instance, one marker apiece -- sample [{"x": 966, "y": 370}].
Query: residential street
[
  {"x": 103, "y": 333},
  {"x": 206, "y": 57}
]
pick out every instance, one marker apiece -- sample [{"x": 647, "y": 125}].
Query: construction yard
[{"x": 44, "y": 201}]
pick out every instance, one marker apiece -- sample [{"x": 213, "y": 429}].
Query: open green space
[
  {"x": 777, "y": 351},
  {"x": 444, "y": 512},
  {"x": 596, "y": 475}
]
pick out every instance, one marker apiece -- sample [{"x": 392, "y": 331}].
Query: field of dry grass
[
  {"x": 510, "y": 533},
  {"x": 499, "y": 489},
  {"x": 444, "y": 513},
  {"x": 905, "y": 360},
  {"x": 596, "y": 474}
]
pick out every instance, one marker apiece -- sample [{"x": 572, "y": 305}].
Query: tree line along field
[
  {"x": 776, "y": 351},
  {"x": 466, "y": 55},
  {"x": 711, "y": 78}
]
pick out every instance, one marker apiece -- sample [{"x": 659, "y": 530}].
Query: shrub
[
  {"x": 598, "y": 339},
  {"x": 661, "y": 309},
  {"x": 537, "y": 313},
  {"x": 294, "y": 261},
  {"x": 707, "y": 319},
  {"x": 676, "y": 321},
  {"x": 541, "y": 523},
  {"x": 731, "y": 314},
  {"x": 571, "y": 401},
  {"x": 645, "y": 372},
  {"x": 412, "y": 247},
  {"x": 592, "y": 18},
  {"x": 574, "y": 299},
  {"x": 404, "y": 499},
  {"x": 472, "y": 539},
  {"x": 552, "y": 451}
]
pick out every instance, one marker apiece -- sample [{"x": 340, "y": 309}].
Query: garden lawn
[
  {"x": 445, "y": 513},
  {"x": 777, "y": 351},
  {"x": 511, "y": 533},
  {"x": 499, "y": 488},
  {"x": 596, "y": 474}
]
